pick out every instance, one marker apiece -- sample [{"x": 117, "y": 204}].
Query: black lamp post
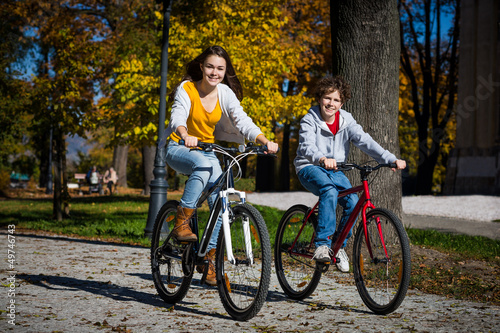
[{"x": 158, "y": 186}]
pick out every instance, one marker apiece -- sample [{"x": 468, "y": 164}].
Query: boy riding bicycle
[{"x": 325, "y": 134}]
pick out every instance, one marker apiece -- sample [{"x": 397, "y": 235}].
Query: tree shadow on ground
[
  {"x": 109, "y": 290},
  {"x": 275, "y": 297}
]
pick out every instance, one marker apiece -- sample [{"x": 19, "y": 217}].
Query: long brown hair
[{"x": 194, "y": 73}]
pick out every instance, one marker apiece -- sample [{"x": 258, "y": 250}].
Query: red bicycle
[{"x": 381, "y": 251}]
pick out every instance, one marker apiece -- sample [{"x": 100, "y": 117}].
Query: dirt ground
[{"x": 451, "y": 275}]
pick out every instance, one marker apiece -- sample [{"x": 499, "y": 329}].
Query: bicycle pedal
[
  {"x": 202, "y": 266},
  {"x": 323, "y": 267}
]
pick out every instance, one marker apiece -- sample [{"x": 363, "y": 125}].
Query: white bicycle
[{"x": 243, "y": 253}]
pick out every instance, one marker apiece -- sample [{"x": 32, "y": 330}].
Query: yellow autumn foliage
[{"x": 263, "y": 53}]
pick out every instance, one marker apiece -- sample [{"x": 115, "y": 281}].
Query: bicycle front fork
[
  {"x": 222, "y": 205},
  {"x": 226, "y": 227}
]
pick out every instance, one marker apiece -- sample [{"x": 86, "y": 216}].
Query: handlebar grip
[
  {"x": 393, "y": 165},
  {"x": 264, "y": 148},
  {"x": 202, "y": 145}
]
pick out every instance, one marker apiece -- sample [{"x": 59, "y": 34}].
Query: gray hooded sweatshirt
[{"x": 317, "y": 141}]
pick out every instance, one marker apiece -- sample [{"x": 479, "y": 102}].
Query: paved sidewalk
[
  {"x": 453, "y": 225},
  {"x": 471, "y": 215},
  {"x": 73, "y": 285}
]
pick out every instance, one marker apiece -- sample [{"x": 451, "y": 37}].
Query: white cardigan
[{"x": 234, "y": 126}]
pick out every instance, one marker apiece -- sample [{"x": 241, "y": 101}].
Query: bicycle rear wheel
[
  {"x": 171, "y": 263},
  {"x": 382, "y": 280},
  {"x": 243, "y": 285},
  {"x": 295, "y": 268}
]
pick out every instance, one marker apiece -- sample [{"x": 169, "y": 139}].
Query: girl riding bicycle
[
  {"x": 324, "y": 137},
  {"x": 206, "y": 108}
]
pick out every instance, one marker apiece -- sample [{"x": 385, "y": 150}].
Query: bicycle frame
[
  {"x": 364, "y": 203},
  {"x": 226, "y": 182}
]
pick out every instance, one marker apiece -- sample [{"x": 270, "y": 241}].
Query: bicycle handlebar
[
  {"x": 369, "y": 168},
  {"x": 364, "y": 168},
  {"x": 249, "y": 148}
]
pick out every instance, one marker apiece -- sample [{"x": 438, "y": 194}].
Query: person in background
[
  {"x": 206, "y": 107},
  {"x": 110, "y": 179},
  {"x": 93, "y": 179},
  {"x": 93, "y": 176},
  {"x": 326, "y": 132}
]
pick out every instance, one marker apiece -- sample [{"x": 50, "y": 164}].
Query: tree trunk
[
  {"x": 120, "y": 156},
  {"x": 57, "y": 199},
  {"x": 148, "y": 158},
  {"x": 44, "y": 161},
  {"x": 366, "y": 50},
  {"x": 65, "y": 193},
  {"x": 243, "y": 165},
  {"x": 285, "y": 160},
  {"x": 264, "y": 177}
]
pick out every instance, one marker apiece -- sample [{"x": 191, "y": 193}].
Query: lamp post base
[
  {"x": 158, "y": 197},
  {"x": 158, "y": 190}
]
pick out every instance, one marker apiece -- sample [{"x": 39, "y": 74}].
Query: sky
[{"x": 76, "y": 144}]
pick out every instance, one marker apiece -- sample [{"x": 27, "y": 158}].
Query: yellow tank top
[{"x": 200, "y": 123}]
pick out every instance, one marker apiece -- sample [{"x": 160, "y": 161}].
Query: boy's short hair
[{"x": 329, "y": 84}]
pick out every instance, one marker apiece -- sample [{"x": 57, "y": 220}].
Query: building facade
[{"x": 474, "y": 164}]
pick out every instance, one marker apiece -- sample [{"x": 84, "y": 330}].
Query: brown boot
[
  {"x": 182, "y": 231},
  {"x": 210, "y": 278}
]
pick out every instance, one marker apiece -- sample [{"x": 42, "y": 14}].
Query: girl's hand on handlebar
[
  {"x": 401, "y": 164},
  {"x": 328, "y": 163},
  {"x": 272, "y": 148},
  {"x": 190, "y": 141}
]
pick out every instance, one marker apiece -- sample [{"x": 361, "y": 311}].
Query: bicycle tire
[
  {"x": 382, "y": 282},
  {"x": 243, "y": 286},
  {"x": 170, "y": 266},
  {"x": 297, "y": 275}
]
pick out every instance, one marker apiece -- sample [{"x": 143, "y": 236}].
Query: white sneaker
[
  {"x": 322, "y": 254},
  {"x": 342, "y": 261}
]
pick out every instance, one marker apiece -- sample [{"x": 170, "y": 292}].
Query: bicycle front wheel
[
  {"x": 382, "y": 262},
  {"x": 243, "y": 285},
  {"x": 293, "y": 252},
  {"x": 171, "y": 263}
]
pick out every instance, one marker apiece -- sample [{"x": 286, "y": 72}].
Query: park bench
[{"x": 80, "y": 177}]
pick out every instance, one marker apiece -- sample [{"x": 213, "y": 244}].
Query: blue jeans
[
  {"x": 326, "y": 184},
  {"x": 203, "y": 169}
]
